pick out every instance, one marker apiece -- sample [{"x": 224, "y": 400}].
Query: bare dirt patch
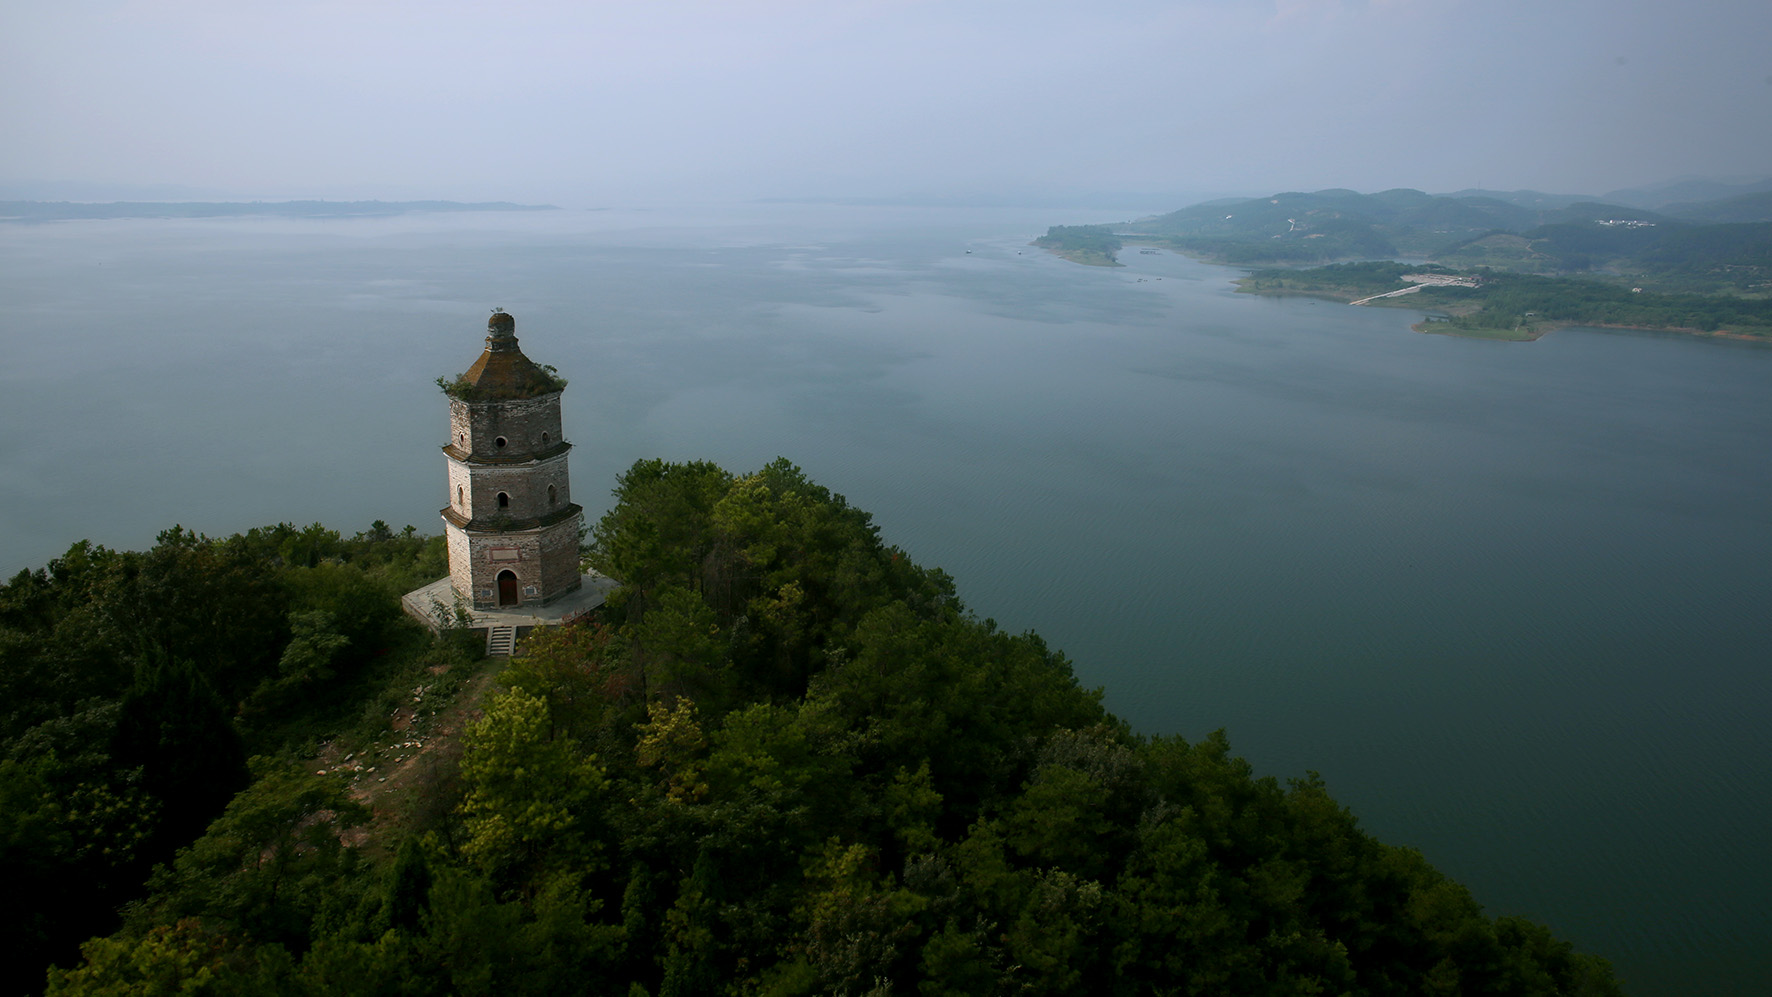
[{"x": 407, "y": 777}]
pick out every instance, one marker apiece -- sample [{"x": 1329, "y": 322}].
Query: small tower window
[
  {"x": 499, "y": 443},
  {"x": 504, "y": 501},
  {"x": 553, "y": 496},
  {"x": 544, "y": 439},
  {"x": 461, "y": 438},
  {"x": 460, "y": 499}
]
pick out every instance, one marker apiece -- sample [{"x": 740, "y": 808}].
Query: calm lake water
[{"x": 1513, "y": 601}]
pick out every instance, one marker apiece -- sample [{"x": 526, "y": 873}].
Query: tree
[
  {"x": 684, "y": 650},
  {"x": 409, "y": 887},
  {"x": 531, "y": 797},
  {"x": 174, "y": 727},
  {"x": 657, "y": 531},
  {"x": 579, "y": 673},
  {"x": 187, "y": 959},
  {"x": 272, "y": 862}
]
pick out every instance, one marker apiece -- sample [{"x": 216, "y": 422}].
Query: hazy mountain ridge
[
  {"x": 69, "y": 210},
  {"x": 1753, "y": 207},
  {"x": 1687, "y": 190},
  {"x": 1712, "y": 246}
]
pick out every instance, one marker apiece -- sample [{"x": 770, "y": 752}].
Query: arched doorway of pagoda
[{"x": 507, "y": 588}]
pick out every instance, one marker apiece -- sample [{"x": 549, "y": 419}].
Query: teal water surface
[{"x": 1513, "y": 601}]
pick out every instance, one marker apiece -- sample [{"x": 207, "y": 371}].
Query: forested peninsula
[
  {"x": 1527, "y": 262},
  {"x": 1090, "y": 245},
  {"x": 784, "y": 759}
]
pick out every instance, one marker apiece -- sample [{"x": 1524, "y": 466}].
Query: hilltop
[{"x": 785, "y": 760}]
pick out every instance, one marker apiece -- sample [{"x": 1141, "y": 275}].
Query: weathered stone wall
[
  {"x": 559, "y": 559},
  {"x": 460, "y": 561},
  {"x": 492, "y": 555},
  {"x": 526, "y": 425},
  {"x": 474, "y": 489},
  {"x": 460, "y": 498},
  {"x": 545, "y": 562}
]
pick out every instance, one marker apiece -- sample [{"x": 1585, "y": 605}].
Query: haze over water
[{"x": 1509, "y": 599}]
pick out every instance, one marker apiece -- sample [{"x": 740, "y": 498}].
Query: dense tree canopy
[
  {"x": 133, "y": 685},
  {"x": 1084, "y": 243},
  {"x": 787, "y": 760}
]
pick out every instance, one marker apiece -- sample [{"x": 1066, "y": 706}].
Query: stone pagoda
[{"x": 511, "y": 525}]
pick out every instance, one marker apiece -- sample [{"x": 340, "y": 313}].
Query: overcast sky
[{"x": 601, "y": 102}]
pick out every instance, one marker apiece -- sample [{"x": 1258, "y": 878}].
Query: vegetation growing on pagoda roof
[{"x": 540, "y": 379}]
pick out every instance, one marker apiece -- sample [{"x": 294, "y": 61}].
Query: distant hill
[
  {"x": 1687, "y": 190},
  {"x": 1537, "y": 200},
  {"x": 1295, "y": 227},
  {"x": 44, "y": 211},
  {"x": 1327, "y": 225},
  {"x": 1657, "y": 252},
  {"x": 1754, "y": 207},
  {"x": 1518, "y": 231}
]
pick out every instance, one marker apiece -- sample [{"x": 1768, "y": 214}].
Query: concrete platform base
[{"x": 422, "y": 605}]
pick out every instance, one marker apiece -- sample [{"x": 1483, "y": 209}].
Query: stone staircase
[{"x": 501, "y": 642}]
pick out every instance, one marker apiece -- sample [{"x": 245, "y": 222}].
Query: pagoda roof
[{"x": 502, "y": 371}]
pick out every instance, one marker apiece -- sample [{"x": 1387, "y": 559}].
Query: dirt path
[{"x": 410, "y": 770}]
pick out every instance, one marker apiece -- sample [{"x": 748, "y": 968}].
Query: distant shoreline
[
  {"x": 1740, "y": 337},
  {"x": 1433, "y": 328},
  {"x": 51, "y": 211},
  {"x": 1087, "y": 257}
]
